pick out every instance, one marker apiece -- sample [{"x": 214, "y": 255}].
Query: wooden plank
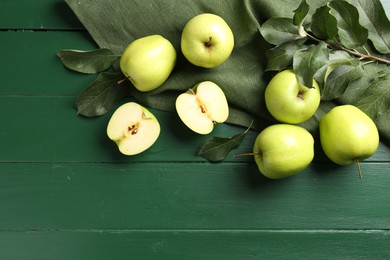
[
  {"x": 41, "y": 15},
  {"x": 47, "y": 196},
  {"x": 240, "y": 244},
  {"x": 29, "y": 65},
  {"x": 176, "y": 245},
  {"x": 47, "y": 129}
]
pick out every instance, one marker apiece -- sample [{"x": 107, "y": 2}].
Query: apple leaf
[
  {"x": 351, "y": 33},
  {"x": 376, "y": 99},
  {"x": 101, "y": 95},
  {"x": 279, "y": 30},
  {"x": 88, "y": 62},
  {"x": 336, "y": 58},
  {"x": 281, "y": 56},
  {"x": 324, "y": 24},
  {"x": 217, "y": 148},
  {"x": 373, "y": 17},
  {"x": 300, "y": 13},
  {"x": 307, "y": 62},
  {"x": 371, "y": 73},
  {"x": 338, "y": 81},
  {"x": 383, "y": 124}
]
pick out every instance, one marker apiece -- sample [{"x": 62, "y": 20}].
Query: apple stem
[
  {"x": 245, "y": 154},
  {"x": 122, "y": 80},
  {"x": 209, "y": 43},
  {"x": 359, "y": 169}
]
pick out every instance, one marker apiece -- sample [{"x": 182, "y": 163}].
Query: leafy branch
[
  {"x": 362, "y": 56},
  {"x": 342, "y": 45}
]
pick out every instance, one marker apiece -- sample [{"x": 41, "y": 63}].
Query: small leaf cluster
[
  {"x": 105, "y": 91},
  {"x": 344, "y": 45}
]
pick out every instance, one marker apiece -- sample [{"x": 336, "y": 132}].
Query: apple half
[
  {"x": 202, "y": 106},
  {"x": 133, "y": 128}
]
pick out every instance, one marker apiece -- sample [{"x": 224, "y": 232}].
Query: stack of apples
[
  {"x": 347, "y": 134},
  {"x": 207, "y": 41}
]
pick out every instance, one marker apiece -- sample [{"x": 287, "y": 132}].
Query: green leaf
[
  {"x": 383, "y": 124},
  {"x": 300, "y": 13},
  {"x": 324, "y": 24},
  {"x": 279, "y": 30},
  {"x": 376, "y": 99},
  {"x": 89, "y": 62},
  {"x": 336, "y": 58},
  {"x": 373, "y": 17},
  {"x": 312, "y": 124},
  {"x": 338, "y": 81},
  {"x": 101, "y": 95},
  {"x": 351, "y": 33},
  {"x": 307, "y": 62},
  {"x": 281, "y": 57},
  {"x": 356, "y": 90},
  {"x": 217, "y": 148}
]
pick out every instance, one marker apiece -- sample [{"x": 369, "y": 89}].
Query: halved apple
[
  {"x": 202, "y": 106},
  {"x": 133, "y": 128}
]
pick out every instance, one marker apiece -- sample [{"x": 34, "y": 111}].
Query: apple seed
[{"x": 132, "y": 129}]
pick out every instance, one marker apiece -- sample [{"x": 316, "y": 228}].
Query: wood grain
[{"x": 197, "y": 244}]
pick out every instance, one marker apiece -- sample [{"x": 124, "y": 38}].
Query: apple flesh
[
  {"x": 133, "y": 128},
  {"x": 289, "y": 101},
  {"x": 201, "y": 107},
  {"x": 148, "y": 61},
  {"x": 283, "y": 150},
  {"x": 348, "y": 135},
  {"x": 207, "y": 40}
]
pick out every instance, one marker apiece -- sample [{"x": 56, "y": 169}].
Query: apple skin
[
  {"x": 283, "y": 150},
  {"x": 148, "y": 61},
  {"x": 133, "y": 128},
  {"x": 288, "y": 101},
  {"x": 207, "y": 40},
  {"x": 203, "y": 106},
  {"x": 348, "y": 135}
]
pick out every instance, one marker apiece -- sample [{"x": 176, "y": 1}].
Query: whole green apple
[
  {"x": 133, "y": 128},
  {"x": 288, "y": 100},
  {"x": 283, "y": 150},
  {"x": 348, "y": 135},
  {"x": 207, "y": 40},
  {"x": 148, "y": 61}
]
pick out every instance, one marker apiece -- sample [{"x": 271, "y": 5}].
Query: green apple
[
  {"x": 283, "y": 150},
  {"x": 348, "y": 135},
  {"x": 133, "y": 128},
  {"x": 202, "y": 106},
  {"x": 148, "y": 61},
  {"x": 207, "y": 40},
  {"x": 288, "y": 100}
]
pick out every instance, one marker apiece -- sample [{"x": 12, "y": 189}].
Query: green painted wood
[
  {"x": 203, "y": 244},
  {"x": 47, "y": 129},
  {"x": 170, "y": 196},
  {"x": 42, "y": 15},
  {"x": 29, "y": 65}
]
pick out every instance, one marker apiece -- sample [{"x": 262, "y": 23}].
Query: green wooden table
[{"x": 66, "y": 193}]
